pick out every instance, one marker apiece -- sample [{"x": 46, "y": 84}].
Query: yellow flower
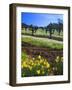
[
  {"x": 38, "y": 71},
  {"x": 61, "y": 59},
  {"x": 39, "y": 57},
  {"x": 32, "y": 64},
  {"x": 41, "y": 61},
  {"x": 48, "y": 65},
  {"x": 33, "y": 58},
  {"x": 45, "y": 63},
  {"x": 31, "y": 61},
  {"x": 24, "y": 64},
  {"x": 57, "y": 59},
  {"x": 30, "y": 67}
]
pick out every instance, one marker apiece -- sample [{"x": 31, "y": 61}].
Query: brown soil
[{"x": 49, "y": 54}]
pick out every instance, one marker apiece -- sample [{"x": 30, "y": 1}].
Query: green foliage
[{"x": 24, "y": 56}]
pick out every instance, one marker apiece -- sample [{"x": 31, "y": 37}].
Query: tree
[
  {"x": 49, "y": 27},
  {"x": 54, "y": 27},
  {"x": 46, "y": 29},
  {"x": 32, "y": 29},
  {"x": 25, "y": 26},
  {"x": 60, "y": 26},
  {"x": 35, "y": 28}
]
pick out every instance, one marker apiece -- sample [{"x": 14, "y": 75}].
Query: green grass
[{"x": 43, "y": 42}]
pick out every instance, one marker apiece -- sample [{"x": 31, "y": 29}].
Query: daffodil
[
  {"x": 39, "y": 57},
  {"x": 33, "y": 58},
  {"x": 38, "y": 71},
  {"x": 45, "y": 63},
  {"x": 57, "y": 59},
  {"x": 62, "y": 59},
  {"x": 32, "y": 63},
  {"x": 24, "y": 64},
  {"x": 41, "y": 61},
  {"x": 30, "y": 67},
  {"x": 48, "y": 65}
]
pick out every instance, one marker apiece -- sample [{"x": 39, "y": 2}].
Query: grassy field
[{"x": 43, "y": 42}]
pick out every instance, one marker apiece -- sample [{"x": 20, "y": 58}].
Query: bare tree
[
  {"x": 49, "y": 28},
  {"x": 60, "y": 26},
  {"x": 31, "y": 28}
]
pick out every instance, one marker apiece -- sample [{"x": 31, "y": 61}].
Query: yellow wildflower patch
[{"x": 38, "y": 71}]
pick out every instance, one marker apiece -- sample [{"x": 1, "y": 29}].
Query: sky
[{"x": 40, "y": 19}]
